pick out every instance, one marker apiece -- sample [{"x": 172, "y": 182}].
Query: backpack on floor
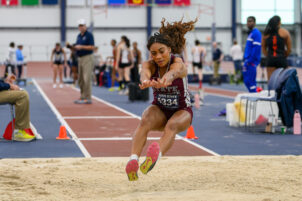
[{"x": 135, "y": 93}]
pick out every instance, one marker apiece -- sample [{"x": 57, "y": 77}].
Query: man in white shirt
[
  {"x": 10, "y": 60},
  {"x": 236, "y": 53}
]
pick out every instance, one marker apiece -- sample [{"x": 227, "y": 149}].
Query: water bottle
[{"x": 297, "y": 123}]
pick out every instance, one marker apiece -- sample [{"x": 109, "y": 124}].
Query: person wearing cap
[{"x": 84, "y": 47}]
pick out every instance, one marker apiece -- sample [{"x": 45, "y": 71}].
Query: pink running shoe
[
  {"x": 131, "y": 170},
  {"x": 151, "y": 158}
]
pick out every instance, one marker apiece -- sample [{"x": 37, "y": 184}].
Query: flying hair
[{"x": 172, "y": 35}]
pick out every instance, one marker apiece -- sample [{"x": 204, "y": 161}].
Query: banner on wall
[
  {"x": 182, "y": 2},
  {"x": 136, "y": 2},
  {"x": 98, "y": 2},
  {"x": 163, "y": 2},
  {"x": 30, "y": 2},
  {"x": 9, "y": 3},
  {"x": 76, "y": 2},
  {"x": 49, "y": 2},
  {"x": 116, "y": 2}
]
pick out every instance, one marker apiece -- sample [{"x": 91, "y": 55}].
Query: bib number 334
[{"x": 168, "y": 101}]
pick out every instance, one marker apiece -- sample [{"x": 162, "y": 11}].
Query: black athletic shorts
[
  {"x": 199, "y": 64},
  {"x": 124, "y": 65},
  {"x": 58, "y": 62},
  {"x": 278, "y": 62}
]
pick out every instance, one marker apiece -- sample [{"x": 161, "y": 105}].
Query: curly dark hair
[{"x": 172, "y": 35}]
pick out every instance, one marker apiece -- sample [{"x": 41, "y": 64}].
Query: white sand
[{"x": 263, "y": 178}]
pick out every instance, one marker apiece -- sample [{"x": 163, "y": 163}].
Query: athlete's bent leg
[
  {"x": 152, "y": 119},
  {"x": 180, "y": 121}
]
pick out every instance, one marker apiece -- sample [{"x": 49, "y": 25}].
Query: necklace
[{"x": 166, "y": 69}]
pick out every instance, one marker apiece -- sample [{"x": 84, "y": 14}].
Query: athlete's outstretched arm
[
  {"x": 177, "y": 70},
  {"x": 147, "y": 70}
]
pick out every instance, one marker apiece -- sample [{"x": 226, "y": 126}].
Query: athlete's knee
[
  {"x": 146, "y": 122},
  {"x": 172, "y": 127}
]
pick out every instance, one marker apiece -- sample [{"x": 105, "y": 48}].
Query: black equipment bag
[
  {"x": 135, "y": 93},
  {"x": 215, "y": 81}
]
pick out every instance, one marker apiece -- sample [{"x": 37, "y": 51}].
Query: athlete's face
[{"x": 160, "y": 53}]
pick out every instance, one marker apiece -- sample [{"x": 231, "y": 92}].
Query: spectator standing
[
  {"x": 99, "y": 66},
  {"x": 124, "y": 62},
  {"x": 276, "y": 45},
  {"x": 58, "y": 59},
  {"x": 10, "y": 60},
  {"x": 217, "y": 58},
  {"x": 236, "y": 53},
  {"x": 20, "y": 60},
  {"x": 137, "y": 56},
  {"x": 68, "y": 55},
  {"x": 113, "y": 71},
  {"x": 74, "y": 64},
  {"x": 252, "y": 55},
  {"x": 84, "y": 47},
  {"x": 198, "y": 55}
]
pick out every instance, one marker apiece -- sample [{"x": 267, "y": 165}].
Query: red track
[{"x": 102, "y": 129}]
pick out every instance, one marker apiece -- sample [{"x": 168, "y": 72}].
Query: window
[{"x": 263, "y": 10}]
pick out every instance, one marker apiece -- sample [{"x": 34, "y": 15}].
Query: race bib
[{"x": 168, "y": 101}]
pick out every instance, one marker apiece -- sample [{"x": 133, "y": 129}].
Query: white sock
[
  {"x": 159, "y": 156},
  {"x": 133, "y": 157}
]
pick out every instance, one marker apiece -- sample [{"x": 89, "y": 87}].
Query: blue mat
[{"x": 47, "y": 125}]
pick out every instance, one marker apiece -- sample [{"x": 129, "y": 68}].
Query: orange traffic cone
[
  {"x": 62, "y": 134},
  {"x": 190, "y": 133}
]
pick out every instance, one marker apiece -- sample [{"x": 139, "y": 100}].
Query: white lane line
[
  {"x": 138, "y": 117},
  {"x": 118, "y": 138},
  {"x": 223, "y": 96},
  {"x": 99, "y": 117},
  {"x": 62, "y": 121},
  {"x": 199, "y": 146},
  {"x": 111, "y": 105}
]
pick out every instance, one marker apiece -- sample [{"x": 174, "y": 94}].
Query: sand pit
[{"x": 262, "y": 178}]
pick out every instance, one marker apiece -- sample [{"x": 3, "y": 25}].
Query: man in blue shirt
[
  {"x": 20, "y": 60},
  {"x": 84, "y": 47},
  {"x": 252, "y": 55},
  {"x": 217, "y": 58}
]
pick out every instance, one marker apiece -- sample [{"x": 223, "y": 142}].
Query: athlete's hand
[
  {"x": 159, "y": 83},
  {"x": 145, "y": 84}
]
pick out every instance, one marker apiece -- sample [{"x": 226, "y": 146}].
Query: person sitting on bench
[{"x": 12, "y": 94}]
